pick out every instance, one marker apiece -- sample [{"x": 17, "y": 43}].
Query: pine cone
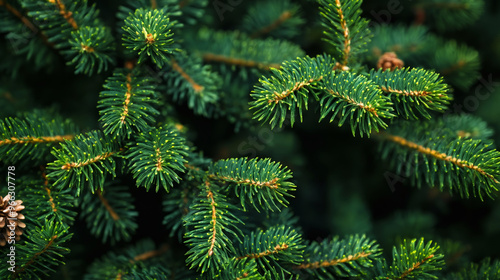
[
  {"x": 390, "y": 60},
  {"x": 10, "y": 209}
]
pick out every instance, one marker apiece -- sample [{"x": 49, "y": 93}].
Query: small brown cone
[
  {"x": 10, "y": 209},
  {"x": 390, "y": 60}
]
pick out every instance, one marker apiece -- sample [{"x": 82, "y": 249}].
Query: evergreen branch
[
  {"x": 259, "y": 182},
  {"x": 89, "y": 48},
  {"x": 210, "y": 57},
  {"x": 288, "y": 88},
  {"x": 193, "y": 82},
  {"x": 148, "y": 33},
  {"x": 278, "y": 19},
  {"x": 67, "y": 15},
  {"x": 458, "y": 63},
  {"x": 210, "y": 223},
  {"x": 451, "y": 15},
  {"x": 156, "y": 157},
  {"x": 450, "y": 161},
  {"x": 241, "y": 269},
  {"x": 41, "y": 251},
  {"x": 357, "y": 100},
  {"x": 413, "y": 91},
  {"x": 128, "y": 103},
  {"x": 110, "y": 214},
  {"x": 32, "y": 136},
  {"x": 21, "y": 17},
  {"x": 346, "y": 31},
  {"x": 176, "y": 205},
  {"x": 85, "y": 159},
  {"x": 275, "y": 246},
  {"x": 486, "y": 269},
  {"x": 234, "y": 48},
  {"x": 332, "y": 258},
  {"x": 286, "y": 15},
  {"x": 415, "y": 260},
  {"x": 49, "y": 204},
  {"x": 105, "y": 202}
]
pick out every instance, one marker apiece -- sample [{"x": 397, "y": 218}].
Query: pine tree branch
[
  {"x": 347, "y": 40},
  {"x": 285, "y": 15},
  {"x": 34, "y": 257},
  {"x": 436, "y": 154},
  {"x": 298, "y": 85},
  {"x": 35, "y": 140},
  {"x": 67, "y": 15},
  {"x": 18, "y": 14},
  {"x": 414, "y": 266},
  {"x": 150, "y": 254},
  {"x": 98, "y": 158},
  {"x": 211, "y": 57},
  {"x": 210, "y": 197},
  {"x": 196, "y": 87},
  {"x": 333, "y": 262},
  {"x": 275, "y": 250},
  {"x": 108, "y": 207}
]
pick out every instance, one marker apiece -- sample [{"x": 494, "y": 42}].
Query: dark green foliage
[
  {"x": 415, "y": 92},
  {"x": 128, "y": 104},
  {"x": 278, "y": 19},
  {"x": 273, "y": 247},
  {"x": 188, "y": 80},
  {"x": 31, "y": 137},
  {"x": 356, "y": 100},
  {"x": 211, "y": 224},
  {"x": 352, "y": 256},
  {"x": 485, "y": 270},
  {"x": 84, "y": 162},
  {"x": 131, "y": 263},
  {"x": 288, "y": 89},
  {"x": 49, "y": 203},
  {"x": 89, "y": 48},
  {"x": 109, "y": 214},
  {"x": 450, "y": 14},
  {"x": 156, "y": 158},
  {"x": 346, "y": 30},
  {"x": 41, "y": 253},
  {"x": 415, "y": 259},
  {"x": 237, "y": 49},
  {"x": 244, "y": 269},
  {"x": 149, "y": 34},
  {"x": 433, "y": 158},
  {"x": 261, "y": 183}
]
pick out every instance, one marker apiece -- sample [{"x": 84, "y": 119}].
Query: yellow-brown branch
[
  {"x": 150, "y": 254},
  {"x": 415, "y": 266},
  {"x": 368, "y": 108},
  {"x": 455, "y": 67},
  {"x": 87, "y": 48},
  {"x": 436, "y": 154},
  {"x": 51, "y": 200},
  {"x": 70, "y": 165},
  {"x": 159, "y": 160},
  {"x": 407, "y": 93},
  {"x": 32, "y": 259},
  {"x": 154, "y": 5},
  {"x": 15, "y": 12},
  {"x": 34, "y": 140},
  {"x": 277, "y": 249},
  {"x": 128, "y": 95},
  {"x": 347, "y": 39},
  {"x": 67, "y": 15},
  {"x": 183, "y": 3},
  {"x": 210, "y": 57},
  {"x": 105, "y": 202},
  {"x": 210, "y": 197},
  {"x": 298, "y": 85},
  {"x": 286, "y": 15},
  {"x": 272, "y": 184},
  {"x": 316, "y": 265},
  {"x": 197, "y": 88}
]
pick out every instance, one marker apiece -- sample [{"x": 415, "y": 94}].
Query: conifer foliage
[{"x": 164, "y": 60}]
